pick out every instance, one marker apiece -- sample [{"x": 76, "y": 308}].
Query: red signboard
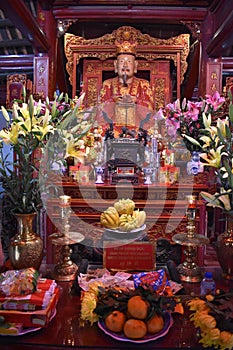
[{"x": 136, "y": 256}]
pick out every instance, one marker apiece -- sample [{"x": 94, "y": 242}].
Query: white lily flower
[
  {"x": 206, "y": 120},
  {"x": 5, "y": 114}
]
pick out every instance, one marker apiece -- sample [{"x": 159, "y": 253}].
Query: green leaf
[
  {"x": 54, "y": 110},
  {"x": 192, "y": 140},
  {"x": 231, "y": 112},
  {"x": 31, "y": 106},
  {"x": 228, "y": 132},
  {"x": 229, "y": 171},
  {"x": 47, "y": 101},
  {"x": 211, "y": 199},
  {"x": 60, "y": 97}
]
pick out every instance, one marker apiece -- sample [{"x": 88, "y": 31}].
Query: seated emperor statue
[{"x": 132, "y": 96}]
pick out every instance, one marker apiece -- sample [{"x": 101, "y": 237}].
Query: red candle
[{"x": 191, "y": 202}]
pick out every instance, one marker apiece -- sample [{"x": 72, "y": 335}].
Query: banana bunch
[
  {"x": 123, "y": 216},
  {"x": 110, "y": 218}
]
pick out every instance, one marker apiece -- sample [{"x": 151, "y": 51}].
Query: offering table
[
  {"x": 65, "y": 330},
  {"x": 165, "y": 206}
]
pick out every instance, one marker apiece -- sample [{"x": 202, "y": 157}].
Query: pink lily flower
[{"x": 215, "y": 101}]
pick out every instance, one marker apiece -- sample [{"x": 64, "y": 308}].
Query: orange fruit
[
  {"x": 135, "y": 329},
  {"x": 138, "y": 307},
  {"x": 155, "y": 324},
  {"x": 115, "y": 321}
]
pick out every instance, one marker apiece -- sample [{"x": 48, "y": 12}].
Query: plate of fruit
[
  {"x": 123, "y": 219},
  {"x": 137, "y": 331},
  {"x": 137, "y": 316}
]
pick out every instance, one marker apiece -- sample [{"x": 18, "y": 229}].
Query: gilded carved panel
[{"x": 148, "y": 47}]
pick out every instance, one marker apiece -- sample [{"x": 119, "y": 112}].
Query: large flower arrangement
[
  {"x": 185, "y": 118},
  {"x": 28, "y": 130},
  {"x": 215, "y": 142},
  {"x": 213, "y": 316}
]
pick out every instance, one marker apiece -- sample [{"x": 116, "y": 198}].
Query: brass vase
[
  {"x": 225, "y": 249},
  {"x": 26, "y": 247}
]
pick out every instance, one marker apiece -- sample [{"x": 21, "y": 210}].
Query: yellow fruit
[
  {"x": 115, "y": 321},
  {"x": 125, "y": 206},
  {"x": 140, "y": 218},
  {"x": 135, "y": 329},
  {"x": 138, "y": 307},
  {"x": 127, "y": 222},
  {"x": 110, "y": 218},
  {"x": 155, "y": 324}
]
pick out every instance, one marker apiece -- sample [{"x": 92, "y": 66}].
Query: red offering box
[{"x": 38, "y": 318}]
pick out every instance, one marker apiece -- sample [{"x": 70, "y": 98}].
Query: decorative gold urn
[
  {"x": 225, "y": 249},
  {"x": 26, "y": 248}
]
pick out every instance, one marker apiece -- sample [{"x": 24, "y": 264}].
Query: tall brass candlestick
[
  {"x": 189, "y": 270},
  {"x": 65, "y": 269}
]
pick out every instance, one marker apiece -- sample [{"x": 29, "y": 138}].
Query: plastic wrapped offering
[
  {"x": 19, "y": 282},
  {"x": 157, "y": 280}
]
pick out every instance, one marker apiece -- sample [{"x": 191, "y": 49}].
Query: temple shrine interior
[
  {"x": 116, "y": 174},
  {"x": 129, "y": 68}
]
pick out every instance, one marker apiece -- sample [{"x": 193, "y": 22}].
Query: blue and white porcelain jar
[{"x": 194, "y": 166}]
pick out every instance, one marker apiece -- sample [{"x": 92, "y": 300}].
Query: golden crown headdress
[{"x": 126, "y": 47}]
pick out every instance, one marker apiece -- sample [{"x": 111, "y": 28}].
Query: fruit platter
[
  {"x": 122, "y": 219},
  {"x": 132, "y": 327},
  {"x": 137, "y": 316},
  {"x": 138, "y": 312}
]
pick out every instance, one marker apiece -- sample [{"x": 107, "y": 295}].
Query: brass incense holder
[{"x": 189, "y": 270}]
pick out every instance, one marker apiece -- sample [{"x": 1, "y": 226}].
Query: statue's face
[{"x": 125, "y": 64}]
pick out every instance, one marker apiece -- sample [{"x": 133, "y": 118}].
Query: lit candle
[
  {"x": 191, "y": 202},
  {"x": 65, "y": 201}
]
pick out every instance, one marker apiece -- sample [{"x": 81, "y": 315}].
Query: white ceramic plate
[
  {"x": 117, "y": 234},
  {"x": 76, "y": 237},
  {"x": 138, "y": 229},
  {"x": 168, "y": 322}
]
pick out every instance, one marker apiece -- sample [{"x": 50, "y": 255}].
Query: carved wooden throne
[{"x": 154, "y": 58}]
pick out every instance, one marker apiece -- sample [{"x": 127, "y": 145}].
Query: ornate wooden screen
[
  {"x": 153, "y": 54},
  {"x": 15, "y": 83}
]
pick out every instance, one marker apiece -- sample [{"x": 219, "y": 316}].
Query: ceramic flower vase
[
  {"x": 225, "y": 249},
  {"x": 194, "y": 166},
  {"x": 26, "y": 247}
]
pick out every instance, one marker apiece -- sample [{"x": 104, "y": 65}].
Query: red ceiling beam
[
  {"x": 23, "y": 19},
  {"x": 16, "y": 62},
  {"x": 222, "y": 39},
  {"x": 144, "y": 13}
]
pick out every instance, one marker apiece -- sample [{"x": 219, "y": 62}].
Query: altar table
[
  {"x": 164, "y": 204},
  {"x": 66, "y": 332}
]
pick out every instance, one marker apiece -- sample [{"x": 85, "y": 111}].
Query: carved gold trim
[{"x": 149, "y": 48}]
